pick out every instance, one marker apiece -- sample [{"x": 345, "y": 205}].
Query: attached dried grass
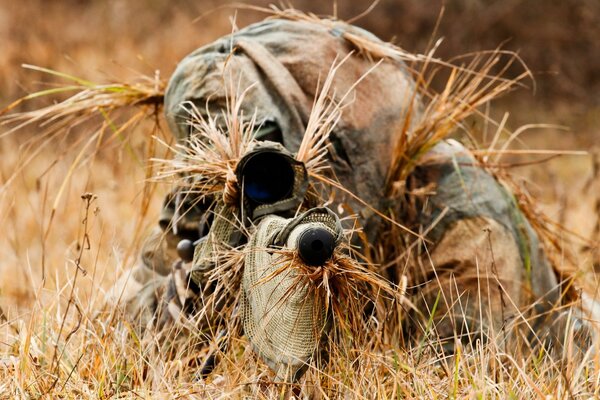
[
  {"x": 205, "y": 163},
  {"x": 346, "y": 290},
  {"x": 90, "y": 98},
  {"x": 101, "y": 357}
]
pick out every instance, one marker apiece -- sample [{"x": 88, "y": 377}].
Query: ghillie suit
[{"x": 362, "y": 138}]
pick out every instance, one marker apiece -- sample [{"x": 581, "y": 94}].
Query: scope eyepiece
[
  {"x": 271, "y": 179},
  {"x": 268, "y": 177},
  {"x": 316, "y": 246}
]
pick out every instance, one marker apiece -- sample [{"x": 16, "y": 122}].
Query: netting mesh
[
  {"x": 206, "y": 253},
  {"x": 282, "y": 314}
]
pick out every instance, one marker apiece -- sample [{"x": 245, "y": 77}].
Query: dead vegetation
[{"x": 64, "y": 247}]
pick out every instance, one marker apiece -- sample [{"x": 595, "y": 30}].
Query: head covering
[{"x": 284, "y": 61}]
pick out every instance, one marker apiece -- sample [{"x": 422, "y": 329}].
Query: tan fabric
[
  {"x": 155, "y": 263},
  {"x": 480, "y": 218},
  {"x": 282, "y": 315},
  {"x": 138, "y": 292},
  {"x": 476, "y": 271}
]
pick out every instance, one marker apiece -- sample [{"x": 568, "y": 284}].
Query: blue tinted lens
[{"x": 268, "y": 178}]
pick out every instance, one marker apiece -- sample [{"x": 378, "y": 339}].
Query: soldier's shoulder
[{"x": 447, "y": 151}]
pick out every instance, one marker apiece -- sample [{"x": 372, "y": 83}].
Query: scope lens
[{"x": 268, "y": 178}]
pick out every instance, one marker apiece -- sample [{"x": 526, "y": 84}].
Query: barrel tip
[{"x": 316, "y": 246}]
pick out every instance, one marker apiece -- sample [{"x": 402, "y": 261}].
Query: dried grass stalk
[
  {"x": 205, "y": 163},
  {"x": 90, "y": 98}
]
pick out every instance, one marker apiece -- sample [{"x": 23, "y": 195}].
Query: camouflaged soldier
[{"x": 485, "y": 267}]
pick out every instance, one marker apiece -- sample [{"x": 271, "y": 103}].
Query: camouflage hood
[{"x": 284, "y": 61}]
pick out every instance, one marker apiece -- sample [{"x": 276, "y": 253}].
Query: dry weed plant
[{"x": 60, "y": 347}]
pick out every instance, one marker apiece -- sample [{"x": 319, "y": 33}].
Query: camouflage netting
[{"x": 283, "y": 316}]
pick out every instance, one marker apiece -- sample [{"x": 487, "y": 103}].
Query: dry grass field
[{"x": 74, "y": 206}]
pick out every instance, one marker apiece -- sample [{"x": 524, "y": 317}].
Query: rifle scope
[{"x": 268, "y": 177}]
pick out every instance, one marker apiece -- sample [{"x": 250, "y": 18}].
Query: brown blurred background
[
  {"x": 558, "y": 39},
  {"x": 118, "y": 39}
]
